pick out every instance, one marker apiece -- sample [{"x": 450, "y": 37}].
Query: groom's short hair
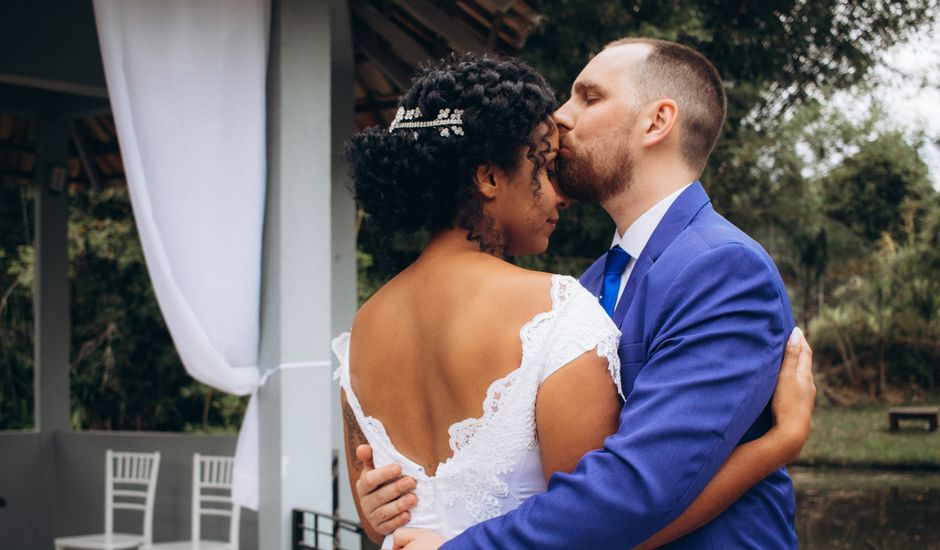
[{"x": 686, "y": 76}]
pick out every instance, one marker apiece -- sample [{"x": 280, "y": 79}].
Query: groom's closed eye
[{"x": 588, "y": 92}]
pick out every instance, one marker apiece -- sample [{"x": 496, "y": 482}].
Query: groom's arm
[{"x": 713, "y": 358}]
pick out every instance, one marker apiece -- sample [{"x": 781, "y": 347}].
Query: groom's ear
[
  {"x": 485, "y": 180},
  {"x": 660, "y": 121}
]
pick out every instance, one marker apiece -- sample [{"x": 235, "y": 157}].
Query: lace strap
[
  {"x": 580, "y": 324},
  {"x": 340, "y": 346},
  {"x": 534, "y": 333}
]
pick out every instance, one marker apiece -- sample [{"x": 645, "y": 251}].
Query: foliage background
[
  {"x": 125, "y": 373},
  {"x": 845, "y": 207}
]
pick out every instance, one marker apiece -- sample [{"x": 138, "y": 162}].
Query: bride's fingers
[
  {"x": 800, "y": 358},
  {"x": 791, "y": 356},
  {"x": 804, "y": 370},
  {"x": 794, "y": 398}
]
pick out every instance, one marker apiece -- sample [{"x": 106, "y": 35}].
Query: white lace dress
[{"x": 496, "y": 462}]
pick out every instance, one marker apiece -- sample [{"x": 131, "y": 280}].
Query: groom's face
[{"x": 598, "y": 126}]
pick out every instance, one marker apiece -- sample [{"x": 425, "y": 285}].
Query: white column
[
  {"x": 51, "y": 300},
  {"x": 344, "y": 221},
  {"x": 296, "y": 404},
  {"x": 51, "y": 286}
]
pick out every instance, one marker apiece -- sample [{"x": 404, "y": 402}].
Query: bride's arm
[
  {"x": 751, "y": 462},
  {"x": 575, "y": 409},
  {"x": 353, "y": 438}
]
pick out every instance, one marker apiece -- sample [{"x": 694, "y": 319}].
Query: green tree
[
  {"x": 869, "y": 191},
  {"x": 16, "y": 308},
  {"x": 884, "y": 325},
  {"x": 881, "y": 326},
  {"x": 125, "y": 372}
]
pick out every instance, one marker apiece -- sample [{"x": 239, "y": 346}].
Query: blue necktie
[{"x": 616, "y": 262}]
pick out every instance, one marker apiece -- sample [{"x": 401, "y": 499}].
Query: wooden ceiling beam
[
  {"x": 503, "y": 5},
  {"x": 402, "y": 44},
  {"x": 458, "y": 37},
  {"x": 81, "y": 146},
  {"x": 393, "y": 68}
]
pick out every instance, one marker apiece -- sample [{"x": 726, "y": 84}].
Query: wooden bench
[{"x": 929, "y": 414}]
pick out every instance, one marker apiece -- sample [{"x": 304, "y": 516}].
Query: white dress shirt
[{"x": 634, "y": 239}]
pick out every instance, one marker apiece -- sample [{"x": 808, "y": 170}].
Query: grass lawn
[{"x": 858, "y": 436}]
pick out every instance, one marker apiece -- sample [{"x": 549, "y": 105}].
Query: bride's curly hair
[{"x": 412, "y": 179}]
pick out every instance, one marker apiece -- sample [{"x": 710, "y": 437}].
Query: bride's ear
[{"x": 485, "y": 179}]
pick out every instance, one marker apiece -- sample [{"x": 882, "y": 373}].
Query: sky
[{"x": 908, "y": 86}]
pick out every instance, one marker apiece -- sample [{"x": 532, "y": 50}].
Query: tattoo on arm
[{"x": 354, "y": 435}]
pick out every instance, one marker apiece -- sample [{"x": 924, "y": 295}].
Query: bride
[{"x": 479, "y": 378}]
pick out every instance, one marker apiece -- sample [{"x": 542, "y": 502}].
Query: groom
[{"x": 703, "y": 312}]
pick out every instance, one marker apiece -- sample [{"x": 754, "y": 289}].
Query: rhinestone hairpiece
[{"x": 447, "y": 120}]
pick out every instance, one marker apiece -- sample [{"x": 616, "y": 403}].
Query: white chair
[
  {"x": 130, "y": 484},
  {"x": 212, "y": 496}
]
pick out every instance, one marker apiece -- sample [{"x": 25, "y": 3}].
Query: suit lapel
[
  {"x": 643, "y": 263},
  {"x": 677, "y": 218},
  {"x": 593, "y": 279}
]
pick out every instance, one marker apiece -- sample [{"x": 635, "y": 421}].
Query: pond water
[{"x": 867, "y": 509}]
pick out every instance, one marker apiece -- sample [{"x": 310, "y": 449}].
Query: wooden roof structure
[
  {"x": 94, "y": 155},
  {"x": 391, "y": 38}
]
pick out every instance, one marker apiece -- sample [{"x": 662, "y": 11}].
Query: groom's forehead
[{"x": 613, "y": 62}]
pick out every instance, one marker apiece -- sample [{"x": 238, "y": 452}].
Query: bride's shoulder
[
  {"x": 547, "y": 289},
  {"x": 543, "y": 282},
  {"x": 523, "y": 283},
  {"x": 565, "y": 295}
]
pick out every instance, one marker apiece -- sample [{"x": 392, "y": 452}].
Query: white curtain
[{"x": 186, "y": 81}]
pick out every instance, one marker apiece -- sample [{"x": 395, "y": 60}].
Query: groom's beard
[{"x": 586, "y": 178}]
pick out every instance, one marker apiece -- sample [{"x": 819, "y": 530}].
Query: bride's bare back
[{"x": 427, "y": 346}]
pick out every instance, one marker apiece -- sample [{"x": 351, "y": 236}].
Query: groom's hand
[{"x": 384, "y": 494}]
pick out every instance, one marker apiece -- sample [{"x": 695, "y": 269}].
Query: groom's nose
[{"x": 563, "y": 118}]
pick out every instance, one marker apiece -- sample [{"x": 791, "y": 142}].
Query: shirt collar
[{"x": 636, "y": 236}]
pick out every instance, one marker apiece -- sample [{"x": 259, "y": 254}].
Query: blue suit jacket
[{"x": 705, "y": 319}]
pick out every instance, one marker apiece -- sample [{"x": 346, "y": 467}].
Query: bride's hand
[
  {"x": 385, "y": 495},
  {"x": 417, "y": 539},
  {"x": 795, "y": 396}
]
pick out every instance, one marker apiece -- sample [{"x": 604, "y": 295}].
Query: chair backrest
[
  {"x": 212, "y": 494},
  {"x": 131, "y": 484}
]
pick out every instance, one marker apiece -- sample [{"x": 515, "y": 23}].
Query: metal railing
[{"x": 317, "y": 531}]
